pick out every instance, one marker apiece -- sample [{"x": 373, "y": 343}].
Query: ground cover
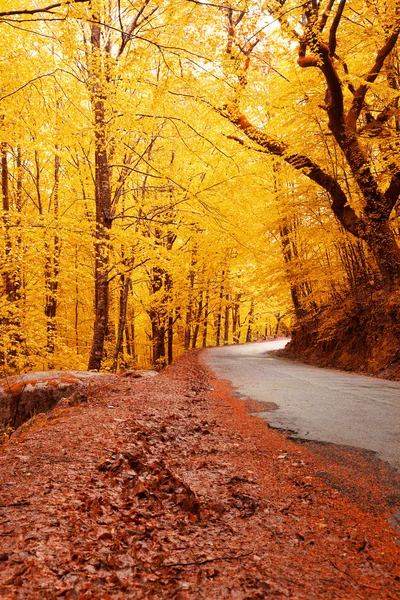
[{"x": 168, "y": 488}]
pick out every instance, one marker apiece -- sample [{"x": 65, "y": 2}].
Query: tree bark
[
  {"x": 123, "y": 304},
  {"x": 226, "y": 320},
  {"x": 236, "y": 319},
  {"x": 206, "y": 313},
  {"x": 52, "y": 270},
  {"x": 249, "y": 333},
  {"x": 219, "y": 314},
  {"x": 103, "y": 201}
]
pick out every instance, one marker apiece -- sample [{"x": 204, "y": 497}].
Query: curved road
[{"x": 317, "y": 404}]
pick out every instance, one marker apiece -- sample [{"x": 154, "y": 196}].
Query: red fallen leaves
[{"x": 176, "y": 493}]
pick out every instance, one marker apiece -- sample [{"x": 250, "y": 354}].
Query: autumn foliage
[{"x": 182, "y": 174}]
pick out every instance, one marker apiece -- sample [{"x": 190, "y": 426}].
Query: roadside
[{"x": 163, "y": 488}]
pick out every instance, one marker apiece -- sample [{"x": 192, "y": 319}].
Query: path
[{"x": 317, "y": 404}]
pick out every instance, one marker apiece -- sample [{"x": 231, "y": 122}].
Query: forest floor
[{"x": 167, "y": 487}]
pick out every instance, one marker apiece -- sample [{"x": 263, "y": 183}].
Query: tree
[{"x": 347, "y": 115}]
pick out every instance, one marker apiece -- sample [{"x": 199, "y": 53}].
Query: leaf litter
[{"x": 177, "y": 492}]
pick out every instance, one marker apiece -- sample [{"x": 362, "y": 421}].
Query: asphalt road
[{"x": 316, "y": 404}]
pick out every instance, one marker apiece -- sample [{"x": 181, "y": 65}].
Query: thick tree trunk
[
  {"x": 382, "y": 242},
  {"x": 10, "y": 324},
  {"x": 158, "y": 338},
  {"x": 103, "y": 203}
]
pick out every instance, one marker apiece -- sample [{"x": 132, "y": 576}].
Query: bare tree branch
[
  {"x": 361, "y": 91},
  {"x": 33, "y": 11},
  {"x": 346, "y": 215},
  {"x": 334, "y": 27},
  {"x": 326, "y": 14}
]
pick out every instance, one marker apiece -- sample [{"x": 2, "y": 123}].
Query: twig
[
  {"x": 207, "y": 560},
  {"x": 371, "y": 587}
]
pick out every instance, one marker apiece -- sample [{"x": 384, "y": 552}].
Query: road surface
[{"x": 315, "y": 404}]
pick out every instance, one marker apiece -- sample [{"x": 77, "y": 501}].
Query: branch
[
  {"x": 344, "y": 133},
  {"x": 207, "y": 560},
  {"x": 31, "y": 81},
  {"x": 225, "y": 6},
  {"x": 334, "y": 27},
  {"x": 359, "y": 96},
  {"x": 127, "y": 35},
  {"x": 32, "y": 11},
  {"x": 326, "y": 14},
  {"x": 345, "y": 213},
  {"x": 335, "y": 102}
]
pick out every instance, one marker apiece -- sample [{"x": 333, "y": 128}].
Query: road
[{"x": 316, "y": 404}]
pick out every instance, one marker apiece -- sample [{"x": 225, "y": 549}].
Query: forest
[{"x": 194, "y": 173}]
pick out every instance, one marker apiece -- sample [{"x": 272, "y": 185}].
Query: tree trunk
[
  {"x": 236, "y": 319},
  {"x": 170, "y": 341},
  {"x": 206, "y": 313},
  {"x": 226, "y": 321},
  {"x": 198, "y": 317},
  {"x": 158, "y": 338},
  {"x": 189, "y": 312},
  {"x": 219, "y": 315},
  {"x": 382, "y": 242},
  {"x": 76, "y": 302},
  {"x": 249, "y": 334},
  {"x": 51, "y": 271},
  {"x": 170, "y": 322},
  {"x": 103, "y": 202},
  {"x": 123, "y": 304},
  {"x": 11, "y": 273}
]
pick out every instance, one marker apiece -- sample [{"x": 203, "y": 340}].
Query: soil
[
  {"x": 169, "y": 488},
  {"x": 360, "y": 334}
]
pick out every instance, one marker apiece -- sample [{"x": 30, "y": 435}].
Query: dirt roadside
[{"x": 165, "y": 488}]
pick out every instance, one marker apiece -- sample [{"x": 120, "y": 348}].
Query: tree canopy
[{"x": 177, "y": 174}]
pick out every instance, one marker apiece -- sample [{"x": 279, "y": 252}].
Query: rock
[
  {"x": 22, "y": 396},
  {"x": 136, "y": 373}
]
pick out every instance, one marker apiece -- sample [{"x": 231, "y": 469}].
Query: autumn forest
[{"x": 177, "y": 174}]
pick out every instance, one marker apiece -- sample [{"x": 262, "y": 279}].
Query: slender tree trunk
[
  {"x": 123, "y": 304},
  {"x": 226, "y": 321},
  {"x": 76, "y": 302},
  {"x": 206, "y": 313},
  {"x": 249, "y": 334},
  {"x": 52, "y": 270},
  {"x": 278, "y": 317},
  {"x": 189, "y": 312},
  {"x": 219, "y": 315},
  {"x": 198, "y": 318},
  {"x": 236, "y": 319},
  {"x": 170, "y": 340},
  {"x": 170, "y": 318},
  {"x": 130, "y": 336}
]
